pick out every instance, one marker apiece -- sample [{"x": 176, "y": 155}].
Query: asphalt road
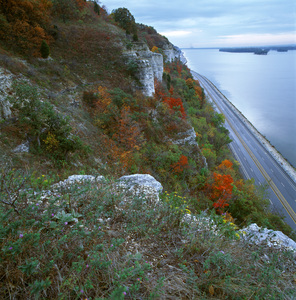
[{"x": 255, "y": 161}]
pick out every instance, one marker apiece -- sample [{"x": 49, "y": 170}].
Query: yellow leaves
[
  {"x": 155, "y": 49},
  {"x": 51, "y": 142},
  {"x": 104, "y": 98},
  {"x": 190, "y": 83},
  {"x": 211, "y": 290}
]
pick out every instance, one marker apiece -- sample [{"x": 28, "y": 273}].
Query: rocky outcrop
[
  {"x": 149, "y": 66},
  {"x": 6, "y": 79},
  {"x": 130, "y": 181},
  {"x": 144, "y": 186},
  {"x": 187, "y": 137},
  {"x": 137, "y": 185},
  {"x": 275, "y": 239},
  {"x": 22, "y": 148}
]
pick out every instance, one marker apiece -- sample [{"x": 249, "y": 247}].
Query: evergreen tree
[
  {"x": 96, "y": 8},
  {"x": 44, "y": 49}
]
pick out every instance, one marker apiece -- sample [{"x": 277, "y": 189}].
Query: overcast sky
[{"x": 216, "y": 23}]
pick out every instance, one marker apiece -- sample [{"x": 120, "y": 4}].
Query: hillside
[{"x": 87, "y": 92}]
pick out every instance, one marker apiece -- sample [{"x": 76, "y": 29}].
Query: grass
[{"x": 95, "y": 241}]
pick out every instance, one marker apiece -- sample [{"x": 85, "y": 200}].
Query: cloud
[
  {"x": 175, "y": 33},
  {"x": 257, "y": 39},
  {"x": 219, "y": 21}
]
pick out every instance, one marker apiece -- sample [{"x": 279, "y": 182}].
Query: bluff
[
  {"x": 160, "y": 215},
  {"x": 150, "y": 64}
]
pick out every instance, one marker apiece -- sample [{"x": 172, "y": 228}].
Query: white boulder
[{"x": 255, "y": 234}]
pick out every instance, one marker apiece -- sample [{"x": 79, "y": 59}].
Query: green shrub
[
  {"x": 49, "y": 130},
  {"x": 44, "y": 49}
]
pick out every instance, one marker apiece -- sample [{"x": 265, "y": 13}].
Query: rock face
[
  {"x": 6, "y": 79},
  {"x": 172, "y": 52},
  {"x": 187, "y": 137},
  {"x": 150, "y": 66}
]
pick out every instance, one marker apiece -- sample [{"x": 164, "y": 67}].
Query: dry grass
[{"x": 128, "y": 247}]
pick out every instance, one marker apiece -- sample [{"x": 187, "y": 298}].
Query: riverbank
[{"x": 289, "y": 169}]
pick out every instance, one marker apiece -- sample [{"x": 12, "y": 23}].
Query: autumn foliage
[
  {"x": 221, "y": 191},
  {"x": 24, "y": 24},
  {"x": 175, "y": 104},
  {"x": 181, "y": 165}
]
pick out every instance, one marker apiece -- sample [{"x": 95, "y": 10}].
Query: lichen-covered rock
[
  {"x": 22, "y": 148},
  {"x": 141, "y": 185},
  {"x": 258, "y": 235},
  {"x": 6, "y": 79},
  {"x": 142, "y": 180},
  {"x": 78, "y": 179}
]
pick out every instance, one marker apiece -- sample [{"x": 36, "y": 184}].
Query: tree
[
  {"x": 221, "y": 191},
  {"x": 44, "y": 49},
  {"x": 23, "y": 24},
  {"x": 125, "y": 20},
  {"x": 176, "y": 104},
  {"x": 67, "y": 9},
  {"x": 97, "y": 8},
  {"x": 46, "y": 127}
]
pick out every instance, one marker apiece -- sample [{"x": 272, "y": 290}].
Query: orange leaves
[
  {"x": 155, "y": 49},
  {"x": 198, "y": 91},
  {"x": 80, "y": 4},
  {"x": 225, "y": 167},
  {"x": 26, "y": 23},
  {"x": 222, "y": 186},
  {"x": 221, "y": 190},
  {"x": 190, "y": 83},
  {"x": 194, "y": 84},
  {"x": 160, "y": 93},
  {"x": 226, "y": 164},
  {"x": 114, "y": 116},
  {"x": 104, "y": 99},
  {"x": 181, "y": 165},
  {"x": 211, "y": 290}
]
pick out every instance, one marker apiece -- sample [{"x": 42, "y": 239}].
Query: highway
[{"x": 255, "y": 161}]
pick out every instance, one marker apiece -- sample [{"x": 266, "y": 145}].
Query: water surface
[{"x": 262, "y": 87}]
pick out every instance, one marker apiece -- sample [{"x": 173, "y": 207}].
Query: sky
[{"x": 216, "y": 23}]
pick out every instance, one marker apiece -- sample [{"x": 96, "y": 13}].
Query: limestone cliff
[{"x": 149, "y": 66}]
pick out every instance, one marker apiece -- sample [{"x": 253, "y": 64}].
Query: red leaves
[
  {"x": 176, "y": 104},
  {"x": 182, "y": 164},
  {"x": 221, "y": 190}
]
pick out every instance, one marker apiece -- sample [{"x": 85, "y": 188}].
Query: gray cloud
[{"x": 208, "y": 20}]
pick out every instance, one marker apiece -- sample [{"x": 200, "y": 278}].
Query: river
[{"x": 262, "y": 87}]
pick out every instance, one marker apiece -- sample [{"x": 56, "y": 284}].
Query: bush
[{"x": 48, "y": 130}]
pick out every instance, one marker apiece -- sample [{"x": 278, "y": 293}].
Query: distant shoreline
[{"x": 248, "y": 49}]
